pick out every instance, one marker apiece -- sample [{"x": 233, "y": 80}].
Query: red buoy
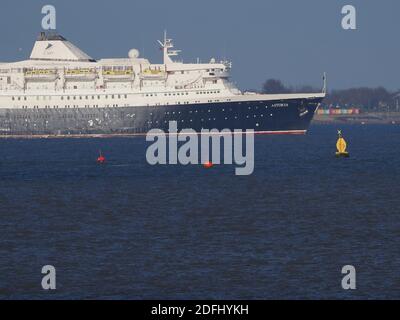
[
  {"x": 208, "y": 165},
  {"x": 101, "y": 159}
]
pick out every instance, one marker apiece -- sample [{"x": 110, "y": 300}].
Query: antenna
[
  {"x": 324, "y": 89},
  {"x": 166, "y": 45}
]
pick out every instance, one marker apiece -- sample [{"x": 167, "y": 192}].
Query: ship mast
[{"x": 166, "y": 45}]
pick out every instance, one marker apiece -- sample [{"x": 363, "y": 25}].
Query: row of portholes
[{"x": 209, "y": 119}]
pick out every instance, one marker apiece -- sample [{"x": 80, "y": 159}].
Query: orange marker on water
[
  {"x": 208, "y": 165},
  {"x": 101, "y": 159}
]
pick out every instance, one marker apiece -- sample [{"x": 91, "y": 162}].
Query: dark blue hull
[{"x": 279, "y": 116}]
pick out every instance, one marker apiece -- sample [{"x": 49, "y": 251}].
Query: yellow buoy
[{"x": 341, "y": 146}]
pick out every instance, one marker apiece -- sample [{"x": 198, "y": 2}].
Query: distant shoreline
[{"x": 362, "y": 118}]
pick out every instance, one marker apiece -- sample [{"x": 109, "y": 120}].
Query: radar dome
[{"x": 133, "y": 54}]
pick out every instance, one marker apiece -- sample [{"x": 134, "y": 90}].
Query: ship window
[
  {"x": 92, "y": 97},
  {"x": 98, "y": 97},
  {"x": 119, "y": 96},
  {"x": 126, "y": 96},
  {"x": 67, "y": 97}
]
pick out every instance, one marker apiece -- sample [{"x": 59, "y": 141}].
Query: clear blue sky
[{"x": 292, "y": 40}]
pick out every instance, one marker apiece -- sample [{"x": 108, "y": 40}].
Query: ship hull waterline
[{"x": 291, "y": 116}]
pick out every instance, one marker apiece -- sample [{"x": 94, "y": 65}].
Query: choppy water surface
[{"x": 128, "y": 230}]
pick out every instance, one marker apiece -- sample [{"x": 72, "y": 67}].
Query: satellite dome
[{"x": 133, "y": 54}]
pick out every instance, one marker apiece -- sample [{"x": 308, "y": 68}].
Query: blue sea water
[{"x": 128, "y": 230}]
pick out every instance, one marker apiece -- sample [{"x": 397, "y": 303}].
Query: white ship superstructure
[{"x": 59, "y": 75}]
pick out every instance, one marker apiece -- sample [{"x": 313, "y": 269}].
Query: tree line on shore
[{"x": 368, "y": 99}]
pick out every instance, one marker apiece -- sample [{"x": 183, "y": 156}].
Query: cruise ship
[{"x": 62, "y": 91}]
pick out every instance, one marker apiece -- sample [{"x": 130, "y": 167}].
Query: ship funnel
[{"x": 55, "y": 47}]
